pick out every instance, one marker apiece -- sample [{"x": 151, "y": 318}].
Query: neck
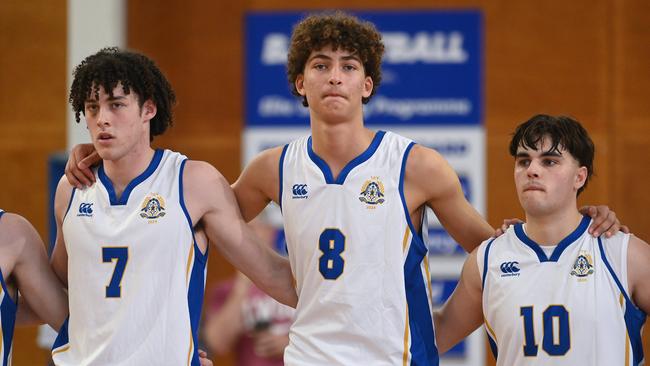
[
  {"x": 123, "y": 170},
  {"x": 551, "y": 229},
  {"x": 338, "y": 144}
]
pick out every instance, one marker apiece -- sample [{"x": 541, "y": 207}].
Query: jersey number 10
[{"x": 556, "y": 340}]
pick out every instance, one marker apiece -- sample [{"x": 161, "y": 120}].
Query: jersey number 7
[{"x": 121, "y": 257}]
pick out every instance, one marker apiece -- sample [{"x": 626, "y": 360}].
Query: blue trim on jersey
[
  {"x": 195, "y": 302},
  {"x": 423, "y": 347},
  {"x": 62, "y": 338},
  {"x": 8, "y": 316},
  {"x": 493, "y": 346},
  {"x": 634, "y": 317},
  {"x": 564, "y": 243},
  {"x": 402, "y": 173},
  {"x": 108, "y": 184},
  {"x": 327, "y": 172},
  {"x": 74, "y": 190},
  {"x": 6, "y": 290},
  {"x": 203, "y": 257},
  {"x": 485, "y": 262},
  {"x": 284, "y": 152},
  {"x": 2, "y": 212}
]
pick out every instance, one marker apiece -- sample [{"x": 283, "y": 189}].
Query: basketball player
[
  {"x": 24, "y": 266},
  {"x": 550, "y": 293},
  {"x": 126, "y": 247},
  {"x": 355, "y": 230}
]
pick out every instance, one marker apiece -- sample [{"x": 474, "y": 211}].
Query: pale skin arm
[
  {"x": 638, "y": 272},
  {"x": 217, "y": 212},
  {"x": 39, "y": 287},
  {"x": 463, "y": 311},
  {"x": 430, "y": 180},
  {"x": 59, "y": 259}
]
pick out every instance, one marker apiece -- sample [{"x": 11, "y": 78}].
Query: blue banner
[{"x": 432, "y": 69}]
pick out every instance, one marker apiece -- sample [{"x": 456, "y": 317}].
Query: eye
[
  {"x": 91, "y": 108},
  {"x": 117, "y": 105},
  {"x": 349, "y": 67},
  {"x": 320, "y": 67},
  {"x": 549, "y": 162},
  {"x": 523, "y": 162}
]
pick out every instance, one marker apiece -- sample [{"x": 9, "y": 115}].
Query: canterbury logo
[
  {"x": 85, "y": 209},
  {"x": 299, "y": 191},
  {"x": 510, "y": 267}
]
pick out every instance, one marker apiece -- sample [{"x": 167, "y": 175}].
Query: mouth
[
  {"x": 533, "y": 188},
  {"x": 333, "y": 95},
  {"x": 105, "y": 137}
]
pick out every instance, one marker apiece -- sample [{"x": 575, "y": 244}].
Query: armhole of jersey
[
  {"x": 417, "y": 236},
  {"x": 202, "y": 257},
  {"x": 485, "y": 261},
  {"x": 69, "y": 204},
  {"x": 6, "y": 290},
  {"x": 281, "y": 170},
  {"x": 623, "y": 267}
]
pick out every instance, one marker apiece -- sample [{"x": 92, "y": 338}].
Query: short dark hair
[
  {"x": 338, "y": 30},
  {"x": 136, "y": 72},
  {"x": 563, "y": 131}
]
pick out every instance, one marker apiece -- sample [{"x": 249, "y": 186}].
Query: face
[
  {"x": 334, "y": 83},
  {"x": 117, "y": 125},
  {"x": 547, "y": 181}
]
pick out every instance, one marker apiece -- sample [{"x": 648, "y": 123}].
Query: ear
[
  {"x": 300, "y": 84},
  {"x": 367, "y": 87},
  {"x": 581, "y": 177},
  {"x": 149, "y": 110}
]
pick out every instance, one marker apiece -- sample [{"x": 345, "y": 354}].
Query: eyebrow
[
  {"x": 553, "y": 153},
  {"x": 110, "y": 99},
  {"x": 346, "y": 58}
]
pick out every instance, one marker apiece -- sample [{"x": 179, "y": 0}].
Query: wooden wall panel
[
  {"x": 582, "y": 58},
  {"x": 32, "y": 119}
]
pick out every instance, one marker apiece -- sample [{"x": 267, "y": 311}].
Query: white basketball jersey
[
  {"x": 566, "y": 307},
  {"x": 361, "y": 270},
  {"x": 135, "y": 274}
]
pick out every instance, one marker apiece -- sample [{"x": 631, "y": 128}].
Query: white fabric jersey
[
  {"x": 135, "y": 274},
  {"x": 8, "y": 309},
  {"x": 570, "y": 307},
  {"x": 361, "y": 271}
]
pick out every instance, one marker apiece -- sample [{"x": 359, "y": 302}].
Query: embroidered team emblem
[
  {"x": 153, "y": 207},
  {"x": 583, "y": 266},
  {"x": 372, "y": 192}
]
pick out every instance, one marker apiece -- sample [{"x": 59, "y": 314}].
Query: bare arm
[
  {"x": 259, "y": 183},
  {"x": 59, "y": 259},
  {"x": 430, "y": 180},
  {"x": 463, "y": 312},
  {"x": 36, "y": 282},
  {"x": 638, "y": 272},
  {"x": 211, "y": 201}
]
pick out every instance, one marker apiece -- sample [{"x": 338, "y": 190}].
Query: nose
[
  {"x": 102, "y": 117},
  {"x": 533, "y": 170},
  {"x": 335, "y": 76}
]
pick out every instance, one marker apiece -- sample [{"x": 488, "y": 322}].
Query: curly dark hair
[
  {"x": 338, "y": 30},
  {"x": 562, "y": 131},
  {"x": 135, "y": 72}
]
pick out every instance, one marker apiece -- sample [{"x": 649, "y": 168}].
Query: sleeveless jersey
[
  {"x": 361, "y": 270},
  {"x": 570, "y": 307},
  {"x": 8, "y": 309},
  {"x": 135, "y": 274}
]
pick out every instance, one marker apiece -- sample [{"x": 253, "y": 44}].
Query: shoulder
[
  {"x": 62, "y": 197},
  {"x": 424, "y": 166},
  {"x": 268, "y": 159},
  {"x": 16, "y": 234},
  {"x": 197, "y": 175}
]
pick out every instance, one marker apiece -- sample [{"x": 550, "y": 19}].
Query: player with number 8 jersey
[
  {"x": 124, "y": 256},
  {"x": 347, "y": 239}
]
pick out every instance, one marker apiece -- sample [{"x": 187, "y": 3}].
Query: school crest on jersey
[
  {"x": 372, "y": 192},
  {"x": 583, "y": 266},
  {"x": 153, "y": 207}
]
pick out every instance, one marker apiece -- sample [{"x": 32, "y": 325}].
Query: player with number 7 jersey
[{"x": 361, "y": 269}]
